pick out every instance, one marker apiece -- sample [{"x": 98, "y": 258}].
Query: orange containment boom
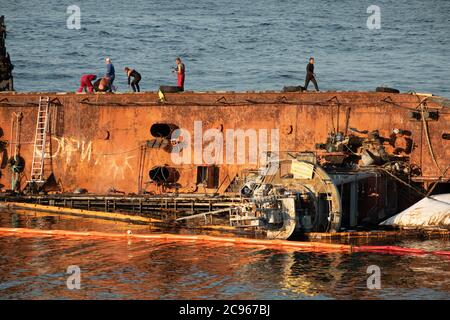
[{"x": 279, "y": 244}]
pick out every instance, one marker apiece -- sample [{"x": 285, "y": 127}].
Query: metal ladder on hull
[{"x": 40, "y": 141}]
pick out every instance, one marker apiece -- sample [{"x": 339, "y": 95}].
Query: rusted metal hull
[
  {"x": 103, "y": 143},
  {"x": 96, "y": 139}
]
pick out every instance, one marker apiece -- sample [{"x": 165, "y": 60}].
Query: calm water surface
[
  {"x": 226, "y": 45},
  {"x": 233, "y": 45},
  {"x": 34, "y": 268}
]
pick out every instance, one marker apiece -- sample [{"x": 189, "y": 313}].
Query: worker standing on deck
[
  {"x": 86, "y": 83},
  {"x": 136, "y": 78},
  {"x": 310, "y": 75},
  {"x": 110, "y": 73},
  {"x": 17, "y": 164},
  {"x": 180, "y": 70}
]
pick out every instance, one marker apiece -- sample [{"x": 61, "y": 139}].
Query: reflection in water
[{"x": 34, "y": 267}]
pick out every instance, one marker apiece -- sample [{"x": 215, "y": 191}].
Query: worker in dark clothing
[
  {"x": 102, "y": 85},
  {"x": 17, "y": 164},
  {"x": 310, "y": 75},
  {"x": 180, "y": 70},
  {"x": 110, "y": 73},
  {"x": 136, "y": 78}
]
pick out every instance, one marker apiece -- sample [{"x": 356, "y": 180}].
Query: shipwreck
[{"x": 343, "y": 160}]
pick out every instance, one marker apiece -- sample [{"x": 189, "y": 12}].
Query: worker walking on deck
[
  {"x": 310, "y": 75},
  {"x": 86, "y": 83},
  {"x": 136, "y": 78},
  {"x": 180, "y": 70},
  {"x": 110, "y": 73}
]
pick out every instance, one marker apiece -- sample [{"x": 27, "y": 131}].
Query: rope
[
  {"x": 427, "y": 134},
  {"x": 412, "y": 187},
  {"x": 436, "y": 183},
  {"x": 241, "y": 103}
]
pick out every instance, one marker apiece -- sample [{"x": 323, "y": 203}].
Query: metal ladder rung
[{"x": 39, "y": 155}]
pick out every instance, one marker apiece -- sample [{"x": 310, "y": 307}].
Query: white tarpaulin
[{"x": 428, "y": 212}]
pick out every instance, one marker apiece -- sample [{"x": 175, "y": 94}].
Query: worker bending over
[
  {"x": 101, "y": 85},
  {"x": 131, "y": 73},
  {"x": 86, "y": 83}
]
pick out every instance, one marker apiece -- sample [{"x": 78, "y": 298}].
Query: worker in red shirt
[
  {"x": 180, "y": 70},
  {"x": 86, "y": 81}
]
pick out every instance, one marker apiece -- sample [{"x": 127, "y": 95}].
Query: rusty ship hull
[{"x": 120, "y": 145}]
